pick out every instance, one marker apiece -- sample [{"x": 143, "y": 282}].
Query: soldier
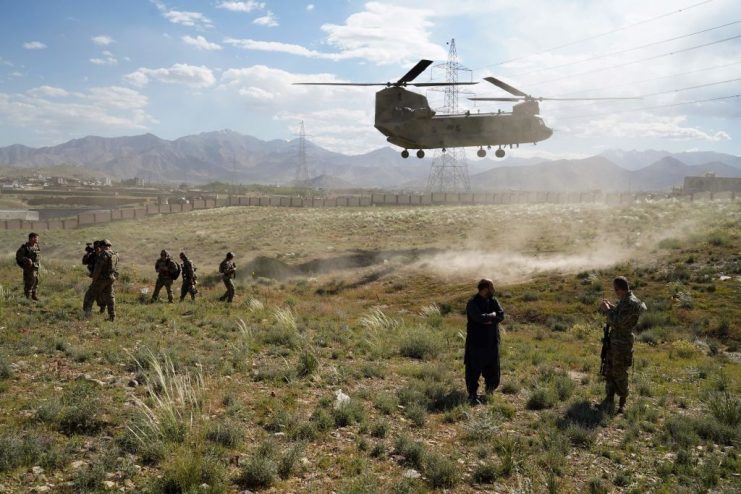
[
  {"x": 167, "y": 271},
  {"x": 189, "y": 278},
  {"x": 621, "y": 318},
  {"x": 482, "y": 340},
  {"x": 92, "y": 254},
  {"x": 228, "y": 269},
  {"x": 101, "y": 288},
  {"x": 28, "y": 257}
]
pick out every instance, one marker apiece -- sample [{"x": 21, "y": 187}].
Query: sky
[{"x": 180, "y": 67}]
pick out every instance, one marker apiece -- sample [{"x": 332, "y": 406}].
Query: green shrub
[
  {"x": 187, "y": 470},
  {"x": 308, "y": 363},
  {"x": 260, "y": 471},
  {"x": 540, "y": 399},
  {"x": 226, "y": 433},
  {"x": 725, "y": 407},
  {"x": 412, "y": 452},
  {"x": 680, "y": 431},
  {"x": 441, "y": 473},
  {"x": 510, "y": 388},
  {"x": 386, "y": 403},
  {"x": 288, "y": 460},
  {"x": 79, "y": 407},
  {"x": 598, "y": 486},
  {"x": 563, "y": 386},
  {"x": 5, "y": 371},
  {"x": 380, "y": 429},
  {"x": 348, "y": 413},
  {"x": 580, "y": 436},
  {"x": 28, "y": 449},
  {"x": 419, "y": 344},
  {"x": 416, "y": 413},
  {"x": 485, "y": 473}
]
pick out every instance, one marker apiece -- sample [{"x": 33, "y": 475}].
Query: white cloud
[
  {"x": 100, "y": 109},
  {"x": 647, "y": 125},
  {"x": 34, "y": 45},
  {"x": 108, "y": 59},
  {"x": 196, "y": 76},
  {"x": 310, "y": 7},
  {"x": 102, "y": 40},
  {"x": 382, "y": 33},
  {"x": 268, "y": 20},
  {"x": 183, "y": 17},
  {"x": 339, "y": 118},
  {"x": 245, "y": 6},
  {"x": 48, "y": 92},
  {"x": 201, "y": 43}
]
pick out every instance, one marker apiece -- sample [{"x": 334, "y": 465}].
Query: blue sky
[{"x": 178, "y": 67}]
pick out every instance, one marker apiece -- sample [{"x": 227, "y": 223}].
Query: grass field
[{"x": 203, "y": 397}]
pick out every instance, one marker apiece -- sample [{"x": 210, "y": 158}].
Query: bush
[
  {"x": 259, "y": 472},
  {"x": 228, "y": 434},
  {"x": 386, "y": 403},
  {"x": 5, "y": 371},
  {"x": 419, "y": 344},
  {"x": 380, "y": 429},
  {"x": 187, "y": 471},
  {"x": 725, "y": 407},
  {"x": 580, "y": 436},
  {"x": 540, "y": 399},
  {"x": 510, "y": 388},
  {"x": 485, "y": 474},
  {"x": 79, "y": 406},
  {"x": 564, "y": 387},
  {"x": 412, "y": 452},
  {"x": 416, "y": 413},
  {"x": 287, "y": 462},
  {"x": 308, "y": 363},
  {"x": 348, "y": 413},
  {"x": 440, "y": 472},
  {"x": 680, "y": 431},
  {"x": 18, "y": 450},
  {"x": 683, "y": 349}
]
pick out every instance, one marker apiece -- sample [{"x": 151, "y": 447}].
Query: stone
[
  {"x": 109, "y": 485},
  {"x": 37, "y": 470},
  {"x": 78, "y": 464},
  {"x": 411, "y": 474}
]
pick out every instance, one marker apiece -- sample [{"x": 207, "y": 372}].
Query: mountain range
[{"x": 232, "y": 157}]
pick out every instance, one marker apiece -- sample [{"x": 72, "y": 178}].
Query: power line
[
  {"x": 692, "y": 87},
  {"x": 656, "y": 107},
  {"x": 647, "y": 59},
  {"x": 627, "y": 50},
  {"x": 670, "y": 76},
  {"x": 589, "y": 38}
]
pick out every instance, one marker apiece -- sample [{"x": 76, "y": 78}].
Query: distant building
[
  {"x": 711, "y": 183},
  {"x": 19, "y": 214}
]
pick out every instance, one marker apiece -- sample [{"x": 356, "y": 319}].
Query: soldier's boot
[
  {"x": 34, "y": 297},
  {"x": 112, "y": 317},
  {"x": 222, "y": 298},
  {"x": 102, "y": 309},
  {"x": 621, "y": 405},
  {"x": 88, "y": 313},
  {"x": 608, "y": 404}
]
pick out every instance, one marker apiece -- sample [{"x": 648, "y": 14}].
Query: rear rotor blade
[
  {"x": 585, "y": 99},
  {"x": 505, "y": 86},
  {"x": 432, "y": 84},
  {"x": 497, "y": 99},
  {"x": 416, "y": 70}
]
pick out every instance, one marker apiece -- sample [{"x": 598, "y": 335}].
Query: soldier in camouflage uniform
[
  {"x": 166, "y": 269},
  {"x": 104, "y": 276},
  {"x": 228, "y": 269},
  {"x": 189, "y": 278},
  {"x": 28, "y": 257},
  {"x": 621, "y": 318},
  {"x": 92, "y": 254}
]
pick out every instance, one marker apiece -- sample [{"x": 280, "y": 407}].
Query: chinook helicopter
[{"x": 406, "y": 119}]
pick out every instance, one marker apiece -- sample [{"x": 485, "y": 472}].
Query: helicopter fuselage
[{"x": 407, "y": 120}]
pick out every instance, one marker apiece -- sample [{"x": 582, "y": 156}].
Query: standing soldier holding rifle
[
  {"x": 101, "y": 288},
  {"x": 28, "y": 258},
  {"x": 189, "y": 278},
  {"x": 617, "y": 344}
]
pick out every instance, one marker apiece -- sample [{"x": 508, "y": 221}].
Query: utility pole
[
  {"x": 302, "y": 171},
  {"x": 449, "y": 170}
]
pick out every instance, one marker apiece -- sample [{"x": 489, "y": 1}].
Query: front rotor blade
[
  {"x": 505, "y": 86},
  {"x": 497, "y": 99},
  {"x": 339, "y": 84},
  {"x": 416, "y": 70}
]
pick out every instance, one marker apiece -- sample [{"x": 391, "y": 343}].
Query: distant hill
[{"x": 232, "y": 157}]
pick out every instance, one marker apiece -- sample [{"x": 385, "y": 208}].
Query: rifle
[{"x": 605, "y": 349}]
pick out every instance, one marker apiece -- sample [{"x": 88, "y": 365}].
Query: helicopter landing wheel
[
  {"x": 499, "y": 153},
  {"x": 481, "y": 153},
  {"x": 405, "y": 154},
  {"x": 420, "y": 154},
  {"x": 444, "y": 150}
]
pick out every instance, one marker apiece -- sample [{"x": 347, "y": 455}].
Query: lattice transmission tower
[
  {"x": 302, "y": 171},
  {"x": 449, "y": 170}
]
